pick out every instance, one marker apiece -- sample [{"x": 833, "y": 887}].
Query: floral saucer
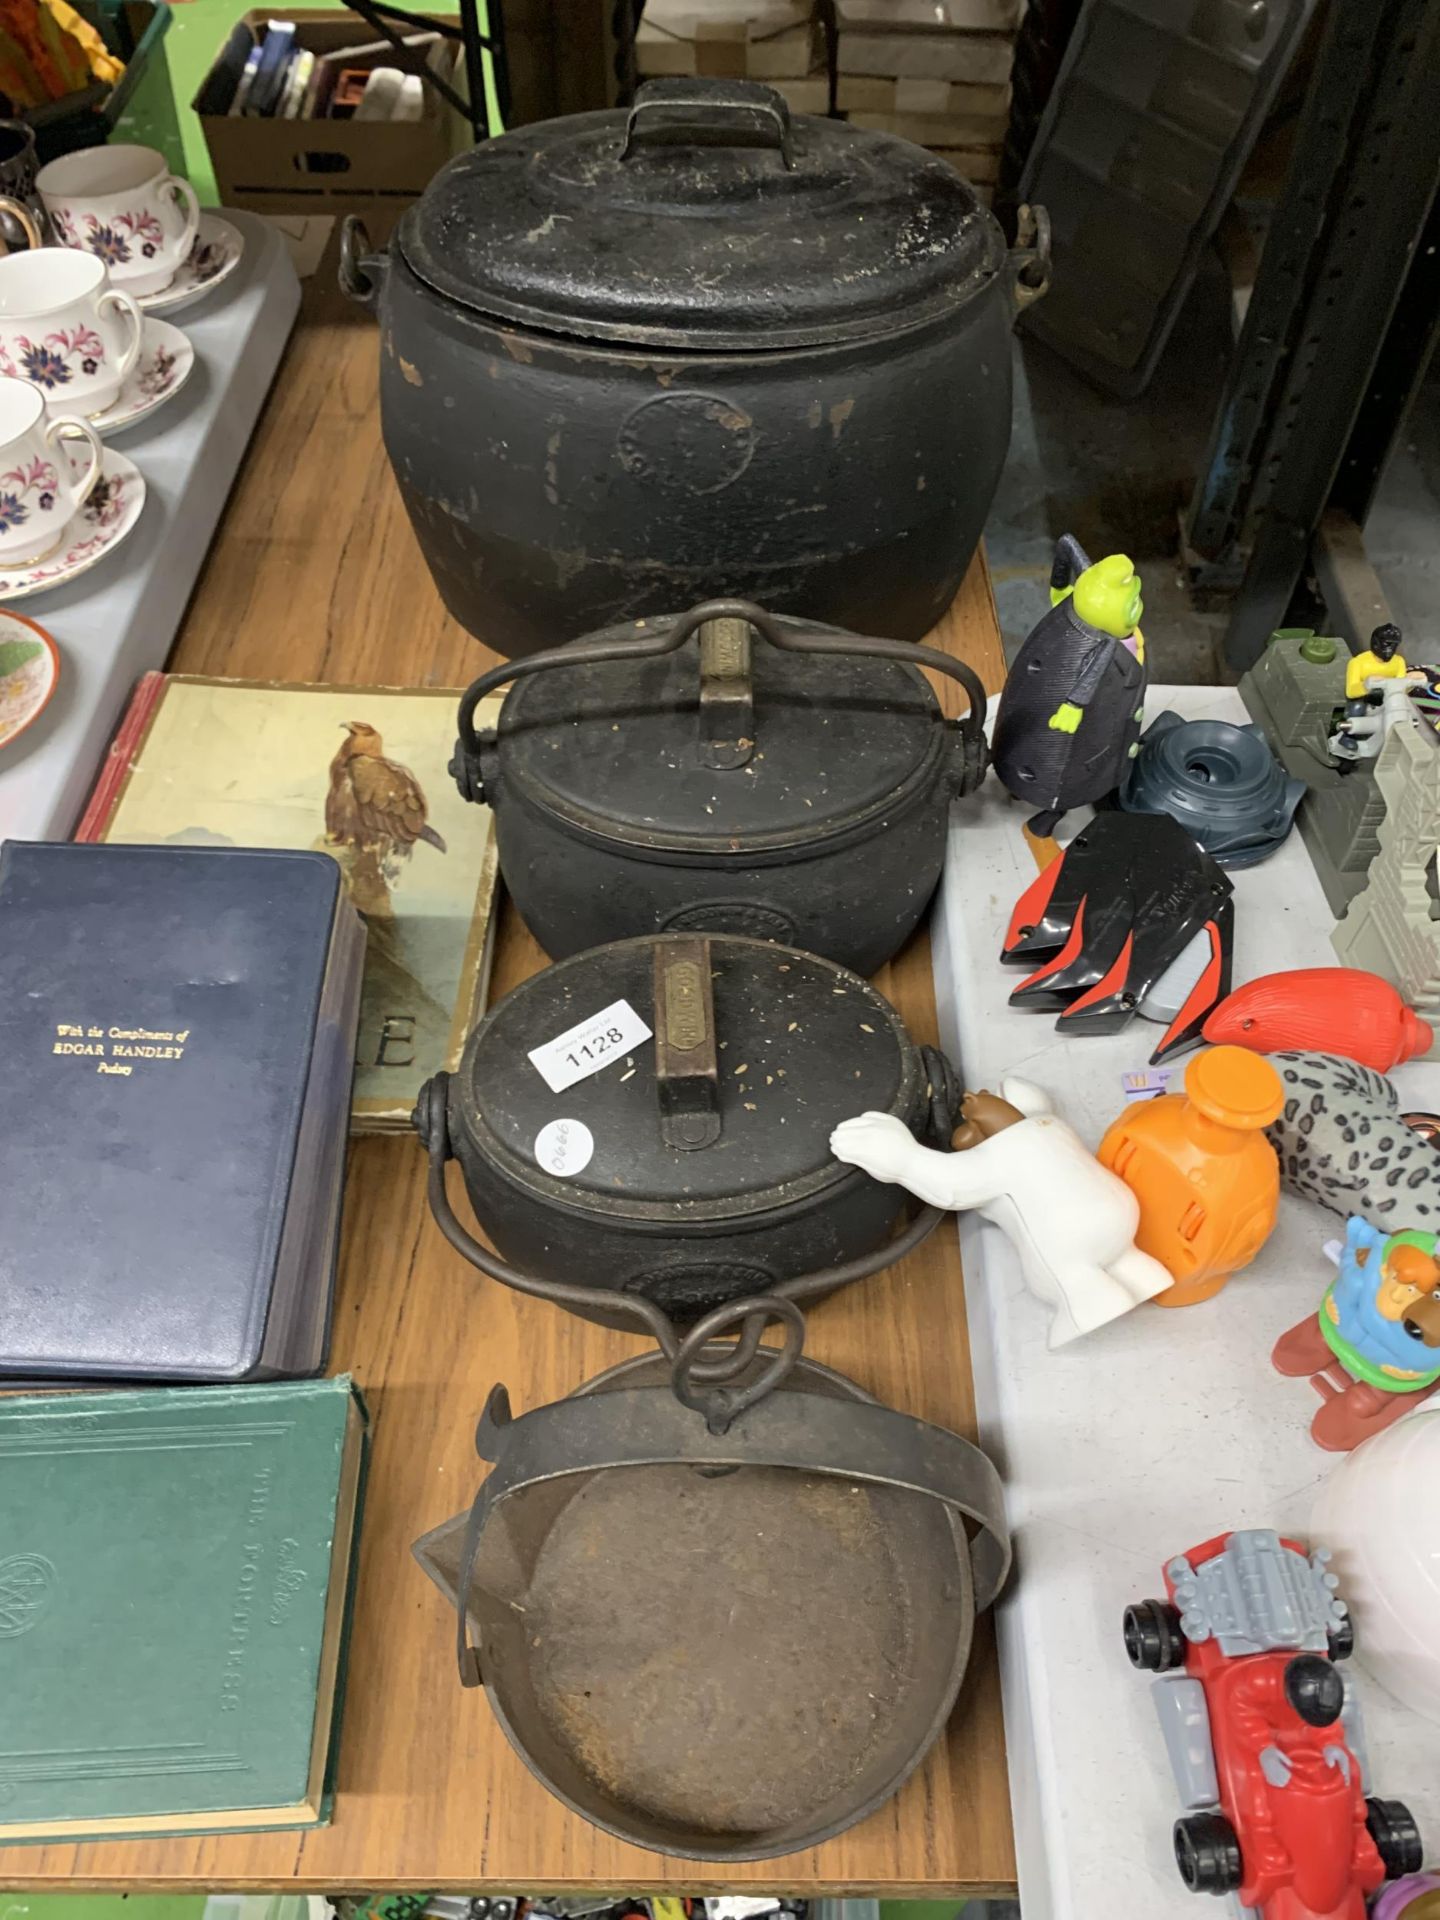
[
  {"x": 165, "y": 364},
  {"x": 101, "y": 524},
  {"x": 213, "y": 258},
  {"x": 29, "y": 671}
]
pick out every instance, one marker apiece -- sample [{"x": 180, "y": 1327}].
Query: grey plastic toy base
[
  {"x": 1222, "y": 783},
  {"x": 1294, "y": 701},
  {"x": 1390, "y": 928}
]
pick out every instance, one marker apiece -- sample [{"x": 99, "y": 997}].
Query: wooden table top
[{"x": 315, "y": 576}]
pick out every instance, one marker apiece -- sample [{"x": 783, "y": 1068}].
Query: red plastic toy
[
  {"x": 1264, "y": 1736},
  {"x": 1321, "y": 1010}
]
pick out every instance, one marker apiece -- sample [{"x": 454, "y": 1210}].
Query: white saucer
[
  {"x": 213, "y": 258},
  {"x": 165, "y": 363},
  {"x": 101, "y": 524}
]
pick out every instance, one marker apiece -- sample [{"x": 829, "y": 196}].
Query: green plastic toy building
[{"x": 1296, "y": 693}]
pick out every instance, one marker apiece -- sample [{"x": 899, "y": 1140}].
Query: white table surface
[
  {"x": 121, "y": 618},
  {"x": 1146, "y": 1437}
]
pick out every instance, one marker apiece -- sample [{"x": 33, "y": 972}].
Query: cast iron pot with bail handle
[
  {"x": 723, "y": 1622},
  {"x": 630, "y": 361},
  {"x": 693, "y": 1168},
  {"x": 668, "y": 777}
]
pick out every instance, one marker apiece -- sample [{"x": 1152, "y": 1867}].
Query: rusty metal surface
[{"x": 721, "y": 1646}]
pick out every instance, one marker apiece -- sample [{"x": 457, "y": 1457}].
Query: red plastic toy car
[{"x": 1264, "y": 1732}]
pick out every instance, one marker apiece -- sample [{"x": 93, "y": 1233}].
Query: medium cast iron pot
[
  {"x": 725, "y": 1637},
  {"x": 665, "y": 777},
  {"x": 693, "y": 1168},
  {"x": 634, "y": 360}
]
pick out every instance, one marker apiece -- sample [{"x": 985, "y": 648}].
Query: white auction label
[
  {"x": 564, "y": 1148},
  {"x": 589, "y": 1045}
]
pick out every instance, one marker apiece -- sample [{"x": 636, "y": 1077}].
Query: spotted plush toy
[{"x": 1341, "y": 1141}]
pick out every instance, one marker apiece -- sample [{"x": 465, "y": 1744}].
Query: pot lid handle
[
  {"x": 727, "y": 694},
  {"x": 699, "y": 113},
  {"x": 687, "y": 1072},
  {"x": 715, "y": 734}
]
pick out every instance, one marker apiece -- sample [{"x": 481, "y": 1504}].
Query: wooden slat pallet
[
  {"x": 977, "y": 140},
  {"x": 874, "y": 93}
]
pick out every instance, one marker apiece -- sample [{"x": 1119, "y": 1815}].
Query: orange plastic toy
[{"x": 1207, "y": 1179}]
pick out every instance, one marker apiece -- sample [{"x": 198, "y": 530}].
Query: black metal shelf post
[
  {"x": 1335, "y": 337},
  {"x": 377, "y": 14}
]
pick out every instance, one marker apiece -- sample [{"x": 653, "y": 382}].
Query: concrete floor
[
  {"x": 1118, "y": 473},
  {"x": 1402, "y": 535}
]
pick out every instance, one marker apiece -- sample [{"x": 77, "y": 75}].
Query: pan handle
[
  {"x": 860, "y": 1442},
  {"x": 720, "y": 665},
  {"x": 432, "y": 1123}
]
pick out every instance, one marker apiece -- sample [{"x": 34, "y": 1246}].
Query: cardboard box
[
  {"x": 811, "y": 95},
  {"x": 728, "y": 39},
  {"x": 324, "y": 166},
  {"x": 931, "y": 16},
  {"x": 982, "y": 59}
]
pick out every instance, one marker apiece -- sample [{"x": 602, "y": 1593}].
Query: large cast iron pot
[
  {"x": 725, "y": 1637},
  {"x": 671, "y": 776},
  {"x": 631, "y": 361},
  {"x": 694, "y": 1167}
]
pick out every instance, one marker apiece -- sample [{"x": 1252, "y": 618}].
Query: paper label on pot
[
  {"x": 589, "y": 1045},
  {"x": 564, "y": 1148}
]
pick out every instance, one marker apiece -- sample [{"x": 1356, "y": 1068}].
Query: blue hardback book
[{"x": 177, "y": 1031}]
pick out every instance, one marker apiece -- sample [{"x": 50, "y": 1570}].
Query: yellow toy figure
[{"x": 1383, "y": 660}]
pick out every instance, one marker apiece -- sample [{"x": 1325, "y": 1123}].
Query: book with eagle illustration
[
  {"x": 360, "y": 773},
  {"x": 176, "y": 1576}
]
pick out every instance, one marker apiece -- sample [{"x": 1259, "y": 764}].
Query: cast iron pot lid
[
  {"x": 614, "y": 748},
  {"x": 801, "y": 1045},
  {"x": 703, "y": 217}
]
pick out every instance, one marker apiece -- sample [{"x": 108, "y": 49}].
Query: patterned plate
[
  {"x": 165, "y": 363},
  {"x": 29, "y": 669},
  {"x": 101, "y": 524},
  {"x": 213, "y": 258}
]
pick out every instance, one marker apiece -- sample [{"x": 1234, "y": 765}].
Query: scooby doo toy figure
[{"x": 1072, "y": 1223}]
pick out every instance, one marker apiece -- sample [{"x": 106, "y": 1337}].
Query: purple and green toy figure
[{"x": 1070, "y": 714}]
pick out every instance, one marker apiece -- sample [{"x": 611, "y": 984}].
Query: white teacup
[
  {"x": 125, "y": 206},
  {"x": 39, "y": 493},
  {"x": 66, "y": 329}
]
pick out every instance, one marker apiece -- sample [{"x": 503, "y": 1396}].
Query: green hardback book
[{"x": 175, "y": 1571}]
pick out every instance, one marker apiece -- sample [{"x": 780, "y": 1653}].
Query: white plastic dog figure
[{"x": 1071, "y": 1220}]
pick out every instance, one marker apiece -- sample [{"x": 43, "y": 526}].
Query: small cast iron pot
[
  {"x": 801, "y": 1622},
  {"x": 631, "y": 360},
  {"x": 694, "y": 1169},
  {"x": 657, "y": 778}
]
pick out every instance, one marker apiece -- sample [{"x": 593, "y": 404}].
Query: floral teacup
[
  {"x": 39, "y": 493},
  {"x": 66, "y": 329},
  {"x": 125, "y": 206}
]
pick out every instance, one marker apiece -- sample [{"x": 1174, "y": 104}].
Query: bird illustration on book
[{"x": 376, "y": 809}]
